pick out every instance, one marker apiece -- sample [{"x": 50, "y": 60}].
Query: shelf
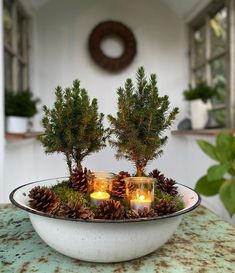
[
  {"x": 14, "y": 137},
  {"x": 202, "y": 132}
]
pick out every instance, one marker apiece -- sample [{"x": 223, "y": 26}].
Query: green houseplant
[
  {"x": 141, "y": 119},
  {"x": 200, "y": 102},
  {"x": 19, "y": 107},
  {"x": 220, "y": 178},
  {"x": 201, "y": 91}
]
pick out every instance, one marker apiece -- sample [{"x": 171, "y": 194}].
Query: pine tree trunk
[
  {"x": 69, "y": 163},
  {"x": 79, "y": 165},
  {"x": 140, "y": 170}
]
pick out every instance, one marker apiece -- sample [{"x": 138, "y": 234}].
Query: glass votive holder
[
  {"x": 140, "y": 192},
  {"x": 101, "y": 185}
]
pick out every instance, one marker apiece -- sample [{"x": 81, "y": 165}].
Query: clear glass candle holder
[
  {"x": 102, "y": 186},
  {"x": 140, "y": 192}
]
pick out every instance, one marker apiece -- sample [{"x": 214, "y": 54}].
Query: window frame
[
  {"x": 203, "y": 18},
  {"x": 13, "y": 49}
]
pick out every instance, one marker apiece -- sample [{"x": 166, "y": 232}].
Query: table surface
[{"x": 202, "y": 243}]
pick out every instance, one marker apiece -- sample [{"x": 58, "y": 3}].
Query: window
[
  {"x": 209, "y": 55},
  {"x": 15, "y": 46}
]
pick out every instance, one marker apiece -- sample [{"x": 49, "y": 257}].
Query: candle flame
[
  {"x": 141, "y": 197},
  {"x": 99, "y": 193}
]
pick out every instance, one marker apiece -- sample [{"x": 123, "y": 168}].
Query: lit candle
[
  {"x": 98, "y": 196},
  {"x": 140, "y": 203}
]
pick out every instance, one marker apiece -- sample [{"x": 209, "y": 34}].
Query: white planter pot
[
  {"x": 17, "y": 125},
  {"x": 199, "y": 113},
  {"x": 103, "y": 240}
]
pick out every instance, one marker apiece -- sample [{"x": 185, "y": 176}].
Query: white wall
[
  {"x": 1, "y": 107},
  {"x": 59, "y": 55}
]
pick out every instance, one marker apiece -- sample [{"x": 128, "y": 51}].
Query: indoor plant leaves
[
  {"x": 216, "y": 172},
  {"x": 224, "y": 147},
  {"x": 220, "y": 178},
  {"x": 227, "y": 195},
  {"x": 20, "y": 104},
  {"x": 208, "y": 148},
  {"x": 202, "y": 91},
  {"x": 207, "y": 187}
]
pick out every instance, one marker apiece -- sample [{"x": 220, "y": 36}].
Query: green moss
[
  {"x": 66, "y": 194},
  {"x": 179, "y": 202},
  {"x": 158, "y": 194},
  {"x": 126, "y": 205}
]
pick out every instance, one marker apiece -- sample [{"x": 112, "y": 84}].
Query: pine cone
[
  {"x": 110, "y": 210},
  {"x": 164, "y": 184},
  {"x": 79, "y": 180},
  {"x": 75, "y": 211},
  {"x": 119, "y": 185},
  {"x": 132, "y": 187},
  {"x": 158, "y": 175},
  {"x": 144, "y": 213},
  {"x": 43, "y": 199},
  {"x": 164, "y": 207}
]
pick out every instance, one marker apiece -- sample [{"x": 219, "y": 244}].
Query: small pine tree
[
  {"x": 73, "y": 126},
  {"x": 141, "y": 119}
]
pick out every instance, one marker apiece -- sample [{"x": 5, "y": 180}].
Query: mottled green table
[{"x": 203, "y": 243}]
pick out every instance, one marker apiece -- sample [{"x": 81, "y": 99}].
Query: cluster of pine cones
[
  {"x": 113, "y": 210},
  {"x": 45, "y": 200},
  {"x": 164, "y": 184}
]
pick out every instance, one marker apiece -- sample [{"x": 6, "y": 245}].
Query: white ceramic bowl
[{"x": 102, "y": 240}]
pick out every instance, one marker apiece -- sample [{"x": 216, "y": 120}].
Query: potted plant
[
  {"x": 200, "y": 102},
  {"x": 19, "y": 107},
  {"x": 84, "y": 215},
  {"x": 220, "y": 178}
]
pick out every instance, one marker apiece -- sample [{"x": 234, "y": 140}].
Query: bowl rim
[{"x": 39, "y": 213}]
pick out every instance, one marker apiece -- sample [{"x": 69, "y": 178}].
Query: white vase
[
  {"x": 199, "y": 113},
  {"x": 16, "y": 125}
]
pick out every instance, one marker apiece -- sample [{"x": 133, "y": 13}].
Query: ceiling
[{"x": 183, "y": 8}]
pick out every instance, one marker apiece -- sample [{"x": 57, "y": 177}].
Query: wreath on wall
[{"x": 110, "y": 29}]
